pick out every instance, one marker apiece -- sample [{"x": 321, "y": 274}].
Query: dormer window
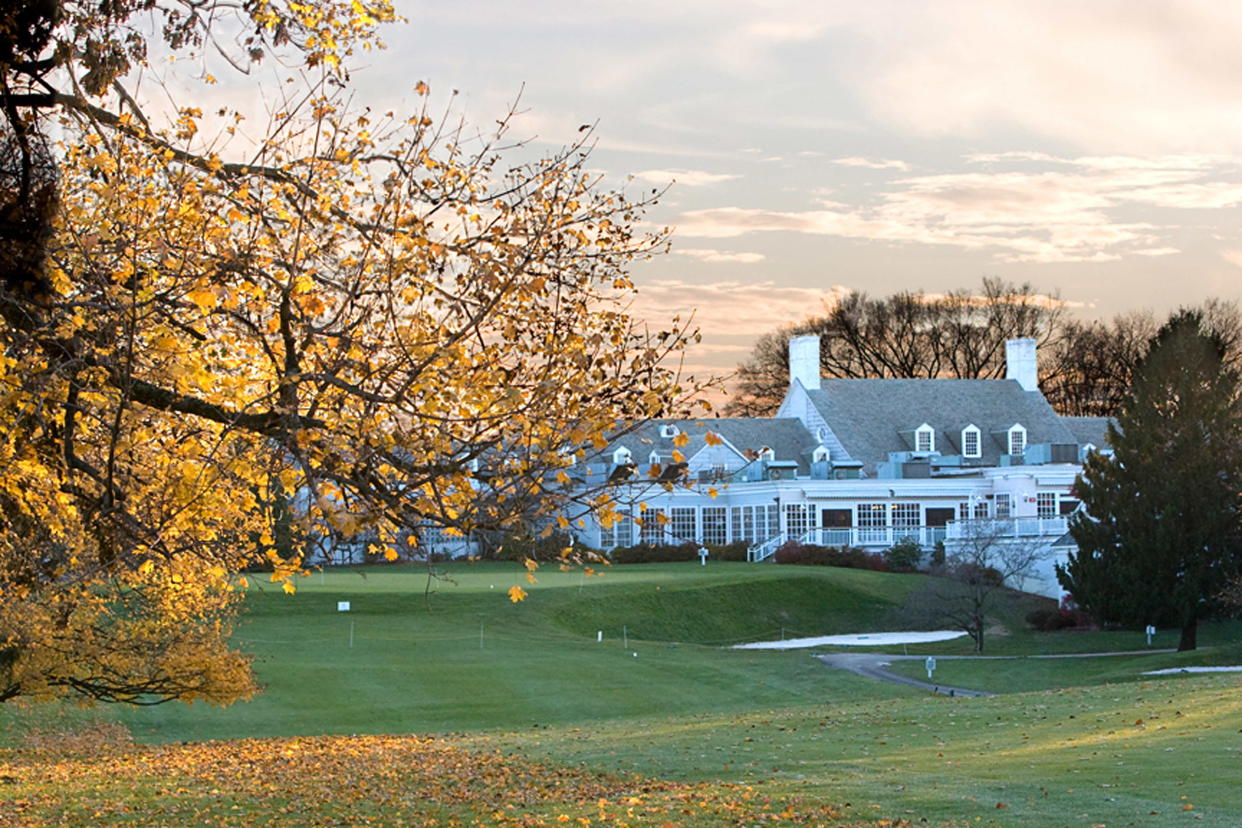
[
  {"x": 766, "y": 454},
  {"x": 972, "y": 442},
  {"x": 820, "y": 455},
  {"x": 925, "y": 439},
  {"x": 653, "y": 458},
  {"x": 668, "y": 431},
  {"x": 1085, "y": 451},
  {"x": 1017, "y": 439},
  {"x": 622, "y": 456}
]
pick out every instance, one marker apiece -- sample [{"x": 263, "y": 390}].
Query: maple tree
[{"x": 217, "y": 348}]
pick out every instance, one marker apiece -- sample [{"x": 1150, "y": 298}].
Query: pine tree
[{"x": 1160, "y": 534}]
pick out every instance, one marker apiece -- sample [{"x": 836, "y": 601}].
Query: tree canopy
[
  {"x": 214, "y": 343},
  {"x": 1085, "y": 366},
  {"x": 960, "y": 335},
  {"x": 1159, "y": 537}
]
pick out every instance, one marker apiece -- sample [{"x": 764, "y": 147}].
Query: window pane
[
  {"x": 1002, "y": 505},
  {"x": 682, "y": 525},
  {"x": 905, "y": 515},
  {"x": 714, "y": 527},
  {"x": 653, "y": 527},
  {"x": 1046, "y": 504}
]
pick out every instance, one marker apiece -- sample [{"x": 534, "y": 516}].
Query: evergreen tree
[{"x": 1160, "y": 535}]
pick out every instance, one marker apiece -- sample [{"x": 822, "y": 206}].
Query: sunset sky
[{"x": 1091, "y": 149}]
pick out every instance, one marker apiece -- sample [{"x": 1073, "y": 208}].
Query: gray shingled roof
[
  {"x": 786, "y": 436},
  {"x": 1093, "y": 430},
  {"x": 868, "y": 416}
]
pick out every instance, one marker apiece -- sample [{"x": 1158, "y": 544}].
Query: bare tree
[
  {"x": 959, "y": 335},
  {"x": 981, "y": 568}
]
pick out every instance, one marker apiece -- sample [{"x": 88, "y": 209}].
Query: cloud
[
  {"x": 880, "y": 164},
  {"x": 1071, "y": 210},
  {"x": 690, "y": 178},
  {"x": 732, "y": 308},
  {"x": 1139, "y": 77},
  {"x": 1234, "y": 257},
  {"x": 720, "y": 256}
]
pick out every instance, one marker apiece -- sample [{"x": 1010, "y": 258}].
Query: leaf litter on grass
[{"x": 365, "y": 780}]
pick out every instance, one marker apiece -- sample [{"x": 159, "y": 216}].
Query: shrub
[
  {"x": 1061, "y": 618},
  {"x": 735, "y": 551},
  {"x": 792, "y": 552},
  {"x": 659, "y": 553},
  {"x": 904, "y": 556},
  {"x": 513, "y": 547},
  {"x": 938, "y": 555}
]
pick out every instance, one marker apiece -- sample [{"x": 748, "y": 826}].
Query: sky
[{"x": 1093, "y": 150}]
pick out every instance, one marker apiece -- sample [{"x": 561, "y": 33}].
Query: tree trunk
[{"x": 1189, "y": 639}]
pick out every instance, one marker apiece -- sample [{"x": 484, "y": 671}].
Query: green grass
[
  {"x": 1074, "y": 741},
  {"x": 463, "y": 657},
  {"x": 1110, "y": 754},
  {"x": 1024, "y": 674}
]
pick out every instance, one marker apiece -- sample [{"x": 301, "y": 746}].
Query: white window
[
  {"x": 1017, "y": 439},
  {"x": 1085, "y": 452},
  {"x": 924, "y": 438},
  {"x": 767, "y": 454},
  {"x": 981, "y": 510},
  {"x": 820, "y": 455},
  {"x": 753, "y": 523},
  {"x": 669, "y": 431},
  {"x": 1046, "y": 504},
  {"x": 681, "y": 523},
  {"x": 715, "y": 526},
  {"x": 652, "y": 532},
  {"x": 971, "y": 442},
  {"x": 905, "y": 515},
  {"x": 872, "y": 521},
  {"x": 619, "y": 533},
  {"x": 654, "y": 458},
  {"x": 622, "y": 456},
  {"x": 1004, "y": 505},
  {"x": 799, "y": 519}
]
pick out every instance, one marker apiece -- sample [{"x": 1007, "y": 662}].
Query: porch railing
[
  {"x": 925, "y": 536},
  {"x": 1021, "y": 527}
]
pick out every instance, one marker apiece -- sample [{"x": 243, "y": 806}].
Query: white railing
[
  {"x": 1021, "y": 527},
  {"x": 763, "y": 551},
  {"x": 925, "y": 536}
]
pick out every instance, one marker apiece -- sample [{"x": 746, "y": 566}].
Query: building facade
[{"x": 859, "y": 462}]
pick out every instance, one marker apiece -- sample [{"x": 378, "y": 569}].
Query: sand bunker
[
  {"x": 1237, "y": 668},
  {"x": 857, "y": 640}
]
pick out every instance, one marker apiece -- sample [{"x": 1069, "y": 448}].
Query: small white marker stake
[{"x": 599, "y": 636}]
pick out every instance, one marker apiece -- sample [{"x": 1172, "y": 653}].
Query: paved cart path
[{"x": 872, "y": 666}]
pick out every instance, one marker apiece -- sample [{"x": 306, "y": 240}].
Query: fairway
[
  {"x": 461, "y": 656},
  {"x": 629, "y": 673}
]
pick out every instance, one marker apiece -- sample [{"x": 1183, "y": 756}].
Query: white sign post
[
  {"x": 702, "y": 556},
  {"x": 1151, "y": 630},
  {"x": 930, "y": 664}
]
